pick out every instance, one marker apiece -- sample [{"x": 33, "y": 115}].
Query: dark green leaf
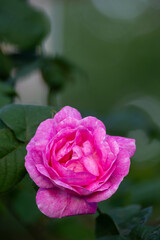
[
  {"x": 21, "y": 24},
  {"x": 7, "y": 93},
  {"x": 17, "y": 125},
  {"x": 12, "y": 154},
  {"x": 105, "y": 226},
  {"x": 124, "y": 215},
  {"x": 141, "y": 232},
  {"x": 127, "y": 218},
  {"x": 23, "y": 120},
  {"x": 143, "y": 216},
  {"x": 53, "y": 73},
  {"x": 155, "y": 234},
  {"x": 24, "y": 200},
  {"x": 58, "y": 71},
  {"x": 5, "y": 66},
  {"x": 112, "y": 238}
]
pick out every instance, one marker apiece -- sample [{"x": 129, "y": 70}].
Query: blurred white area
[
  {"x": 123, "y": 9},
  {"x": 124, "y": 16},
  {"x": 31, "y": 88}
]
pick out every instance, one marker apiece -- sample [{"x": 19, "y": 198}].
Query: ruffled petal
[
  {"x": 56, "y": 203},
  {"x": 45, "y": 132},
  {"x": 37, "y": 177},
  {"x": 54, "y": 178},
  {"x": 92, "y": 123},
  {"x": 127, "y": 144},
  {"x": 91, "y": 165},
  {"x": 68, "y": 122},
  {"x": 66, "y": 112},
  {"x": 106, "y": 156},
  {"x": 122, "y": 169}
]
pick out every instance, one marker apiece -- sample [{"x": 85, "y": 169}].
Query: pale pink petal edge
[
  {"x": 126, "y": 143},
  {"x": 66, "y": 112},
  {"x": 56, "y": 203}
]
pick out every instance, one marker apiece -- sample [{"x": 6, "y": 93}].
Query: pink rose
[{"x": 75, "y": 163}]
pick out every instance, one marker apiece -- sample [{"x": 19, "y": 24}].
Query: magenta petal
[
  {"x": 56, "y": 203},
  {"x": 54, "y": 178},
  {"x": 127, "y": 144},
  {"x": 44, "y": 133},
  {"x": 37, "y": 177},
  {"x": 122, "y": 169},
  {"x": 66, "y": 112},
  {"x": 68, "y": 122},
  {"x": 91, "y": 123},
  {"x": 91, "y": 165}
]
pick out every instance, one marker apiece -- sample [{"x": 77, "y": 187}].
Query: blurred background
[{"x": 104, "y": 59}]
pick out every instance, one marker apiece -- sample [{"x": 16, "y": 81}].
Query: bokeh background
[{"x": 115, "y": 46}]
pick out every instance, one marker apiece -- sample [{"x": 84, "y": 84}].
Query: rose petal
[
  {"x": 87, "y": 148},
  {"x": 122, "y": 169},
  {"x": 101, "y": 182},
  {"x": 91, "y": 123},
  {"x": 54, "y": 178},
  {"x": 79, "y": 178},
  {"x": 106, "y": 156},
  {"x": 91, "y": 165},
  {"x": 68, "y": 122},
  {"x": 75, "y": 165},
  {"x": 44, "y": 133},
  {"x": 37, "y": 177},
  {"x": 83, "y": 135},
  {"x": 56, "y": 203},
  {"x": 67, "y": 112},
  {"x": 126, "y": 143}
]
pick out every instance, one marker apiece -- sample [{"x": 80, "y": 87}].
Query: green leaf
[
  {"x": 129, "y": 217},
  {"x": 18, "y": 124},
  {"x": 21, "y": 24},
  {"x": 112, "y": 238},
  {"x": 54, "y": 74},
  {"x": 7, "y": 93},
  {"x": 5, "y": 66},
  {"x": 124, "y": 215},
  {"x": 24, "y": 200},
  {"x": 12, "y": 154},
  {"x": 142, "y": 232},
  {"x": 155, "y": 234},
  {"x": 143, "y": 216},
  {"x": 58, "y": 71},
  {"x": 23, "y": 120},
  {"x": 105, "y": 226}
]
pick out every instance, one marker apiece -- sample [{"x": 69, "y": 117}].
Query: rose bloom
[{"x": 75, "y": 164}]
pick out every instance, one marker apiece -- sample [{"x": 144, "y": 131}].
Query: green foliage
[
  {"x": 57, "y": 72},
  {"x": 7, "y": 94},
  {"x": 5, "y": 66},
  {"x": 12, "y": 153},
  {"x": 102, "y": 221},
  {"x": 21, "y": 24},
  {"x": 126, "y": 223},
  {"x": 112, "y": 238},
  {"x": 18, "y": 125}
]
